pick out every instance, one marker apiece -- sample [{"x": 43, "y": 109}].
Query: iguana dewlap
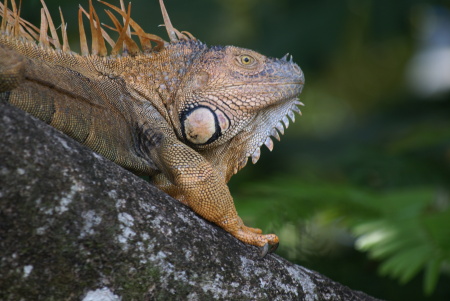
[{"x": 186, "y": 114}]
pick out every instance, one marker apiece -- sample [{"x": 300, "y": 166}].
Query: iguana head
[{"x": 237, "y": 97}]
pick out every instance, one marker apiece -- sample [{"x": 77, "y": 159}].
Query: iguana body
[{"x": 187, "y": 115}]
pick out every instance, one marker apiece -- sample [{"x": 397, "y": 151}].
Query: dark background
[{"x": 358, "y": 189}]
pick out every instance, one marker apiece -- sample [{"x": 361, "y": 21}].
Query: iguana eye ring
[{"x": 246, "y": 60}]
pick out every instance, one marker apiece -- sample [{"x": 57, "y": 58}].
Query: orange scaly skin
[{"x": 186, "y": 114}]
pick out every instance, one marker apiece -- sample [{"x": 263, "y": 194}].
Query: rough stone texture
[{"x": 74, "y": 226}]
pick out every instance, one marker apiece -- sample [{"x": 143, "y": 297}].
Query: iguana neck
[{"x": 156, "y": 76}]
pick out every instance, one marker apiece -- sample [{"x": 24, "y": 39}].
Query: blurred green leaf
[{"x": 432, "y": 275}]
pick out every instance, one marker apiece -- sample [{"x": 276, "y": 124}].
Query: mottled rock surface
[{"x": 74, "y": 226}]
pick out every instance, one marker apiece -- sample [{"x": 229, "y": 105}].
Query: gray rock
[{"x": 74, "y": 226}]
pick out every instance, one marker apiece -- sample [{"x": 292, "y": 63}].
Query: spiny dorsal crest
[{"x": 14, "y": 25}]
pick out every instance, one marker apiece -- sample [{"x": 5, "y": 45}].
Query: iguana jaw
[
  {"x": 266, "y": 125},
  {"x": 270, "y": 121}
]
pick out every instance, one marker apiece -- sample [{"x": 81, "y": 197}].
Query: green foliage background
[{"x": 358, "y": 189}]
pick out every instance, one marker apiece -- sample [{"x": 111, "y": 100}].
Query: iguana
[{"x": 185, "y": 114}]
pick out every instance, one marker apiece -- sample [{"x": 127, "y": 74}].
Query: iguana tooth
[
  {"x": 285, "y": 121},
  {"x": 274, "y": 133},
  {"x": 280, "y": 128},
  {"x": 291, "y": 115},
  {"x": 256, "y": 155},
  {"x": 269, "y": 143}
]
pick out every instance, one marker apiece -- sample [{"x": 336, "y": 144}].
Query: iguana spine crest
[{"x": 13, "y": 24}]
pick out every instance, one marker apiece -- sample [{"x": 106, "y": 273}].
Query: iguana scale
[{"x": 186, "y": 114}]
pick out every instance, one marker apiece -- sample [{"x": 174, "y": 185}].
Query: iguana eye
[
  {"x": 201, "y": 125},
  {"x": 246, "y": 60}
]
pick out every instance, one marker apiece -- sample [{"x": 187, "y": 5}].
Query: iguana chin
[{"x": 186, "y": 114}]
